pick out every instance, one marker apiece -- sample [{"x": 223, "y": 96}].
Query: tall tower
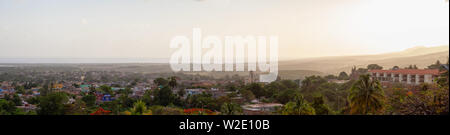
[
  {"x": 355, "y": 74},
  {"x": 252, "y": 77}
]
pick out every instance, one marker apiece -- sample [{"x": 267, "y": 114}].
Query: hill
[{"x": 420, "y": 56}]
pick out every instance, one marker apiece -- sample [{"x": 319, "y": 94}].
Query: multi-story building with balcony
[{"x": 405, "y": 76}]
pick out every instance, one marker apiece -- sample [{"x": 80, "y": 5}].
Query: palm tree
[
  {"x": 173, "y": 82},
  {"x": 366, "y": 96},
  {"x": 299, "y": 107},
  {"x": 140, "y": 108}
]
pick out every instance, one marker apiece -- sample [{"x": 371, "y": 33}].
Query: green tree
[
  {"x": 76, "y": 108},
  {"x": 147, "y": 98},
  {"x": 164, "y": 96},
  {"x": 343, "y": 76},
  {"x": 320, "y": 107},
  {"x": 247, "y": 95},
  {"x": 161, "y": 82},
  {"x": 412, "y": 67},
  {"x": 33, "y": 100},
  {"x": 436, "y": 65},
  {"x": 273, "y": 89},
  {"x": 126, "y": 91},
  {"x": 76, "y": 85},
  {"x": 204, "y": 100},
  {"x": 139, "y": 108},
  {"x": 257, "y": 89},
  {"x": 181, "y": 92},
  {"x": 395, "y": 97},
  {"x": 395, "y": 67},
  {"x": 298, "y": 107},
  {"x": 289, "y": 84},
  {"x": 20, "y": 90},
  {"x": 92, "y": 89},
  {"x": 374, "y": 67},
  {"x": 431, "y": 102},
  {"x": 89, "y": 100},
  {"x": 443, "y": 80},
  {"x": 312, "y": 83},
  {"x": 231, "y": 109},
  {"x": 230, "y": 87},
  {"x": 52, "y": 104},
  {"x": 172, "y": 82},
  {"x": 286, "y": 96},
  {"x": 44, "y": 90},
  {"x": 331, "y": 77},
  {"x": 366, "y": 96},
  {"x": 106, "y": 89},
  {"x": 17, "y": 100},
  {"x": 125, "y": 101},
  {"x": 7, "y": 107}
]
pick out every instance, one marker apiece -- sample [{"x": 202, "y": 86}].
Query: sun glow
[{"x": 398, "y": 24}]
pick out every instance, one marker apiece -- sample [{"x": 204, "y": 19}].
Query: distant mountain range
[
  {"x": 420, "y": 56},
  {"x": 80, "y": 60},
  {"x": 292, "y": 69}
]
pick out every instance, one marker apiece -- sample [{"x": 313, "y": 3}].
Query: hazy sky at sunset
[{"x": 144, "y": 28}]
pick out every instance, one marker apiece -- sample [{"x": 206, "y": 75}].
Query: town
[{"x": 45, "y": 89}]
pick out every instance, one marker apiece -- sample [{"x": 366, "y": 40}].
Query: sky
[{"x": 144, "y": 28}]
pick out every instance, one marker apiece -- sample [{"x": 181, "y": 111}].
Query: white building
[{"x": 406, "y": 76}]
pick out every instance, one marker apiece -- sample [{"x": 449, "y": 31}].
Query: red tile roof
[
  {"x": 101, "y": 111},
  {"x": 409, "y": 71}
]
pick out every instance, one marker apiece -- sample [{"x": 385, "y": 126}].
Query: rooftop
[
  {"x": 409, "y": 71},
  {"x": 263, "y": 105}
]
